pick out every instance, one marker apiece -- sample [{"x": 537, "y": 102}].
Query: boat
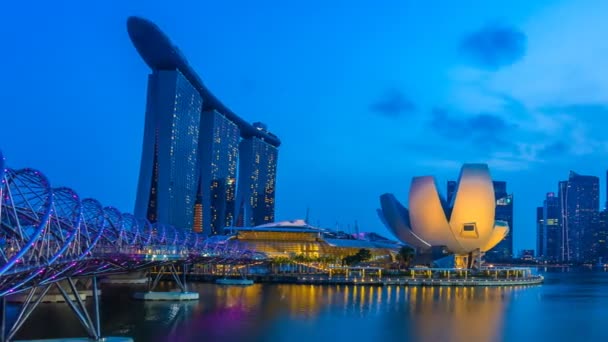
[{"x": 232, "y": 281}]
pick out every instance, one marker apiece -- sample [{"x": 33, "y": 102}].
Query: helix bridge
[{"x": 50, "y": 236}]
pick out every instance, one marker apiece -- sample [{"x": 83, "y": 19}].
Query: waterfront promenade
[
  {"x": 532, "y": 280},
  {"x": 376, "y": 276}
]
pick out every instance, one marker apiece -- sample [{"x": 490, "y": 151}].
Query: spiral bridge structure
[{"x": 49, "y": 234}]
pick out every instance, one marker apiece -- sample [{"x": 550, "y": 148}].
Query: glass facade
[
  {"x": 188, "y": 173},
  {"x": 257, "y": 170},
  {"x": 541, "y": 246},
  {"x": 552, "y": 228},
  {"x": 169, "y": 171},
  {"x": 504, "y": 212},
  {"x": 602, "y": 237},
  {"x": 581, "y": 214},
  {"x": 451, "y": 191},
  {"x": 218, "y": 154}
]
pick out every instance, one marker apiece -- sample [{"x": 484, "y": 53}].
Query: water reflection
[
  {"x": 301, "y": 313},
  {"x": 457, "y": 313}
]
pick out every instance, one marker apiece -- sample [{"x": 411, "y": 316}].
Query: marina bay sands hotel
[{"x": 193, "y": 145}]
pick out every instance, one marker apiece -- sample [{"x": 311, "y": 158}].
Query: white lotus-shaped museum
[{"x": 465, "y": 226}]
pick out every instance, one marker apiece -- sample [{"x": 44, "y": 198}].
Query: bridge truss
[{"x": 49, "y": 236}]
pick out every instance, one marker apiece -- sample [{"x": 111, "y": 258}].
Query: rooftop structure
[
  {"x": 193, "y": 146},
  {"x": 159, "y": 53},
  {"x": 292, "y": 238}
]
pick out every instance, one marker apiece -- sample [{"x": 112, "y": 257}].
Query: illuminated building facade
[
  {"x": 296, "y": 238},
  {"x": 198, "y": 213},
  {"x": 169, "y": 164},
  {"x": 562, "y": 188},
  {"x": 256, "y": 192},
  {"x": 504, "y": 212},
  {"x": 465, "y": 226},
  {"x": 191, "y": 144},
  {"x": 552, "y": 233},
  {"x": 580, "y": 213},
  {"x": 541, "y": 242},
  {"x": 602, "y": 237},
  {"x": 218, "y": 154}
]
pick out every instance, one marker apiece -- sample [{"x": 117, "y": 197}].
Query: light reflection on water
[{"x": 570, "y": 305}]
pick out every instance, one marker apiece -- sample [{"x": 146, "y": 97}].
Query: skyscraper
[
  {"x": 580, "y": 210},
  {"x": 602, "y": 237},
  {"x": 504, "y": 212},
  {"x": 540, "y": 234},
  {"x": 551, "y": 228},
  {"x": 451, "y": 191},
  {"x": 188, "y": 175},
  {"x": 218, "y": 154},
  {"x": 169, "y": 165},
  {"x": 562, "y": 190},
  {"x": 606, "y": 205},
  {"x": 256, "y": 192}
]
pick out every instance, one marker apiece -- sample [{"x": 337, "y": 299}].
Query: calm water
[{"x": 569, "y": 306}]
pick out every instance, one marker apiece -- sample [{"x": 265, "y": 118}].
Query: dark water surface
[{"x": 570, "y": 306}]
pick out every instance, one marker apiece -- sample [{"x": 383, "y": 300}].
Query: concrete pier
[
  {"x": 166, "y": 296},
  {"x": 49, "y": 297},
  {"x": 83, "y": 339},
  {"x": 125, "y": 281}
]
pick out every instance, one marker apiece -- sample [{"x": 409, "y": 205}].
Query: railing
[
  {"x": 47, "y": 234},
  {"x": 385, "y": 281}
]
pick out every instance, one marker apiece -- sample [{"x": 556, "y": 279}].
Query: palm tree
[{"x": 405, "y": 256}]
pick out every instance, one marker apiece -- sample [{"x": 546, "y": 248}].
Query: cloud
[
  {"x": 553, "y": 150},
  {"x": 487, "y": 123},
  {"x": 393, "y": 103},
  {"x": 577, "y": 109},
  {"x": 583, "y": 123},
  {"x": 484, "y": 131},
  {"x": 494, "y": 46},
  {"x": 484, "y": 137}
]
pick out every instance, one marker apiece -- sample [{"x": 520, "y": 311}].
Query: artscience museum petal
[
  {"x": 428, "y": 215},
  {"x": 466, "y": 227},
  {"x": 396, "y": 218},
  {"x": 501, "y": 229}
]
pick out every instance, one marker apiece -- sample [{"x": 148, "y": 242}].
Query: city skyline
[
  {"x": 92, "y": 108},
  {"x": 571, "y": 227}
]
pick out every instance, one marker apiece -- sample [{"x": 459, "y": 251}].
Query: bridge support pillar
[
  {"x": 74, "y": 301},
  {"x": 179, "y": 294},
  {"x": 2, "y": 318}
]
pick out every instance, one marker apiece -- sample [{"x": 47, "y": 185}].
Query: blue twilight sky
[{"x": 364, "y": 95}]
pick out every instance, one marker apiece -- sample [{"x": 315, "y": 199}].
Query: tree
[
  {"x": 405, "y": 256},
  {"x": 364, "y": 254}
]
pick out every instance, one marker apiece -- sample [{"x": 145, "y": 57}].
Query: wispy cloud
[
  {"x": 553, "y": 150},
  {"x": 494, "y": 46},
  {"x": 510, "y": 144},
  {"x": 577, "y": 109},
  {"x": 393, "y": 103},
  {"x": 483, "y": 131}
]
